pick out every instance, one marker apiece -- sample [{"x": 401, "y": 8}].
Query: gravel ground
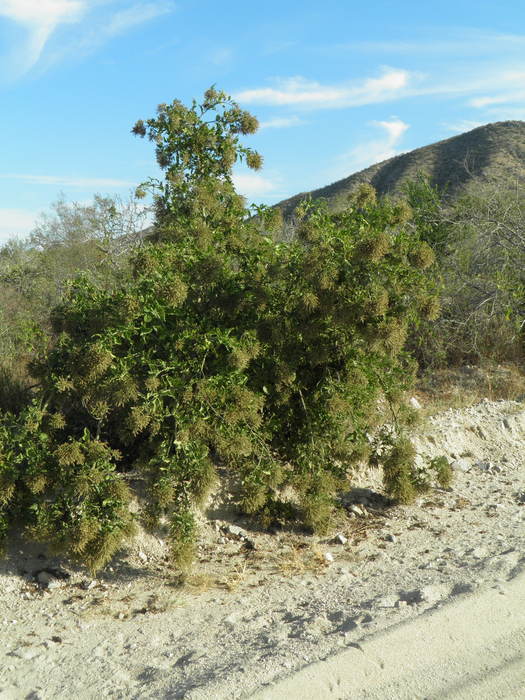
[{"x": 260, "y": 607}]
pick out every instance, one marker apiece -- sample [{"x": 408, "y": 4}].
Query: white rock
[
  {"x": 236, "y": 531},
  {"x": 340, "y": 539},
  {"x": 431, "y": 594},
  {"x": 233, "y": 619},
  {"x": 26, "y": 654},
  {"x": 329, "y": 557},
  {"x": 415, "y": 403},
  {"x": 461, "y": 465},
  {"x": 388, "y": 601}
]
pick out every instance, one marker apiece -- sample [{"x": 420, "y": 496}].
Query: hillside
[{"x": 491, "y": 152}]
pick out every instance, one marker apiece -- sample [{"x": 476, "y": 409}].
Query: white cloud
[
  {"x": 40, "y": 19},
  {"x": 394, "y": 129},
  {"x": 253, "y": 185},
  {"x": 504, "y": 98},
  {"x": 126, "y": 19},
  {"x": 463, "y": 125},
  {"x": 281, "y": 123},
  {"x": 67, "y": 181},
  {"x": 373, "y": 151},
  {"x": 15, "y": 223},
  {"x": 300, "y": 92}
]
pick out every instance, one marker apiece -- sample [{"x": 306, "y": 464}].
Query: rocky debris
[
  {"x": 26, "y": 653},
  {"x": 50, "y": 578},
  {"x": 234, "y": 532},
  {"x": 339, "y": 539},
  {"x": 461, "y": 465},
  {"x": 429, "y": 594},
  {"x": 360, "y": 511},
  {"x": 489, "y": 467},
  {"x": 87, "y": 584},
  {"x": 328, "y": 557},
  {"x": 387, "y": 601}
]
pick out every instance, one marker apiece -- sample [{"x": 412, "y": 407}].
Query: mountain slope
[{"x": 494, "y": 152}]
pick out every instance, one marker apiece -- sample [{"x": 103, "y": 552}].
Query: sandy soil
[{"x": 265, "y": 609}]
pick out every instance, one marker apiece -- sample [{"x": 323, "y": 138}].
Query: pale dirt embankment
[{"x": 431, "y": 591}]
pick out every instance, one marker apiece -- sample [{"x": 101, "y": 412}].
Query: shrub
[{"x": 223, "y": 347}]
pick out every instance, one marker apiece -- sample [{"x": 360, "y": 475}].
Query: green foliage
[
  {"x": 92, "y": 238},
  {"x": 224, "y": 346},
  {"x": 443, "y": 471},
  {"x": 63, "y": 490}
]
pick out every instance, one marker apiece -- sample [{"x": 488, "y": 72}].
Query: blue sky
[{"x": 337, "y": 86}]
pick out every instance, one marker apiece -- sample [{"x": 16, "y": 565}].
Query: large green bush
[{"x": 225, "y": 347}]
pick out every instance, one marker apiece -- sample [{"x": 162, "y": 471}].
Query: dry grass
[
  {"x": 234, "y": 578},
  {"x": 296, "y": 560},
  {"x": 465, "y": 386}
]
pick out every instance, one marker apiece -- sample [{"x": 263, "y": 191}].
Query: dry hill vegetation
[
  {"x": 143, "y": 369},
  {"x": 494, "y": 153}
]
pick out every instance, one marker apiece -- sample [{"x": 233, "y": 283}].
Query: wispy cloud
[
  {"x": 67, "y": 181},
  {"x": 253, "y": 185},
  {"x": 281, "y": 123},
  {"x": 372, "y": 151},
  {"x": 504, "y": 98},
  {"x": 40, "y": 18},
  {"x": 300, "y": 92},
  {"x": 124, "y": 20},
  {"x": 464, "y": 125},
  {"x": 15, "y": 223}
]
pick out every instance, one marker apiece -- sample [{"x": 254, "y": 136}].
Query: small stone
[
  {"x": 88, "y": 585},
  {"x": 391, "y": 538},
  {"x": 355, "y": 509},
  {"x": 340, "y": 539},
  {"x": 401, "y": 604},
  {"x": 387, "y": 601},
  {"x": 232, "y": 619},
  {"x": 236, "y": 531},
  {"x": 431, "y": 594},
  {"x": 26, "y": 654},
  {"x": 415, "y": 403},
  {"x": 47, "y": 580},
  {"x": 461, "y": 465},
  {"x": 489, "y": 467},
  {"x": 520, "y": 497},
  {"x": 329, "y": 557},
  {"x": 478, "y": 552},
  {"x": 142, "y": 556}
]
